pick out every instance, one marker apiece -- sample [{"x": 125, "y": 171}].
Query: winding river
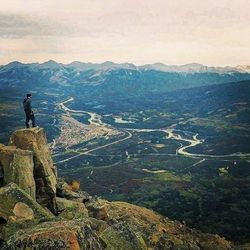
[{"x": 171, "y": 134}]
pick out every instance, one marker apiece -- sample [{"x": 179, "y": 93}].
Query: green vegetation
[{"x": 209, "y": 193}]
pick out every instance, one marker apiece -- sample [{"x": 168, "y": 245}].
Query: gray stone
[
  {"x": 34, "y": 139},
  {"x": 17, "y": 166}
]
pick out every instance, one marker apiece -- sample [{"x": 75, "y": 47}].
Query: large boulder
[
  {"x": 34, "y": 139},
  {"x": 17, "y": 166},
  {"x": 19, "y": 210},
  {"x": 11, "y": 195},
  {"x": 69, "y": 209}
]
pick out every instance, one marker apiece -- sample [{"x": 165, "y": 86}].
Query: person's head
[{"x": 28, "y": 95}]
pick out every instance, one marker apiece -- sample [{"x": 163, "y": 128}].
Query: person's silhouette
[{"x": 28, "y": 111}]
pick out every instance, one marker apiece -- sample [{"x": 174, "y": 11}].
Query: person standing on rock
[{"x": 28, "y": 111}]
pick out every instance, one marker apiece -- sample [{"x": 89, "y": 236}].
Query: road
[
  {"x": 171, "y": 134},
  {"x": 182, "y": 150},
  {"x": 96, "y": 120}
]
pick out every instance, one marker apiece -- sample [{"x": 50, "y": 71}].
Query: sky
[{"x": 135, "y": 31}]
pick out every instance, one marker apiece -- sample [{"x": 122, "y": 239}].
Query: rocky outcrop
[
  {"x": 80, "y": 221},
  {"x": 160, "y": 232},
  {"x": 128, "y": 227},
  {"x": 72, "y": 235},
  {"x": 34, "y": 139},
  {"x": 17, "y": 166}
]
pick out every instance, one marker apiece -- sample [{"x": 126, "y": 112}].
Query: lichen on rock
[
  {"x": 12, "y": 194},
  {"x": 69, "y": 209},
  {"x": 17, "y": 166},
  {"x": 23, "y": 212},
  {"x": 19, "y": 210}
]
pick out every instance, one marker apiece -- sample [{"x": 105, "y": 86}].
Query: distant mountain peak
[
  {"x": 50, "y": 63},
  {"x": 158, "y": 64},
  {"x": 195, "y": 64},
  {"x": 189, "y": 68},
  {"x": 245, "y": 68},
  {"x": 14, "y": 64},
  {"x": 108, "y": 63}
]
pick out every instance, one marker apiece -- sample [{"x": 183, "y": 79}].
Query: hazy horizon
[
  {"x": 139, "y": 32},
  {"x": 115, "y": 62}
]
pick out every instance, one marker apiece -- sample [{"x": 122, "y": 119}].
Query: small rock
[
  {"x": 23, "y": 211},
  {"x": 97, "y": 209}
]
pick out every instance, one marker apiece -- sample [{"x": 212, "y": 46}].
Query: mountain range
[
  {"x": 108, "y": 65},
  {"x": 122, "y": 79}
]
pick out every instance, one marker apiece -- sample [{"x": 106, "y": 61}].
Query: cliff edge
[{"x": 40, "y": 211}]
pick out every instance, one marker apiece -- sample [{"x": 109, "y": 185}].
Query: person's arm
[{"x": 28, "y": 105}]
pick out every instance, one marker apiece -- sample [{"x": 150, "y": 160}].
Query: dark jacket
[{"x": 27, "y": 105}]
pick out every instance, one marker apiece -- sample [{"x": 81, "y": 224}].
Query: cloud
[
  {"x": 14, "y": 25},
  {"x": 19, "y": 26},
  {"x": 125, "y": 30}
]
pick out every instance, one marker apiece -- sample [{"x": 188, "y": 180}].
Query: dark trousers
[{"x": 29, "y": 116}]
